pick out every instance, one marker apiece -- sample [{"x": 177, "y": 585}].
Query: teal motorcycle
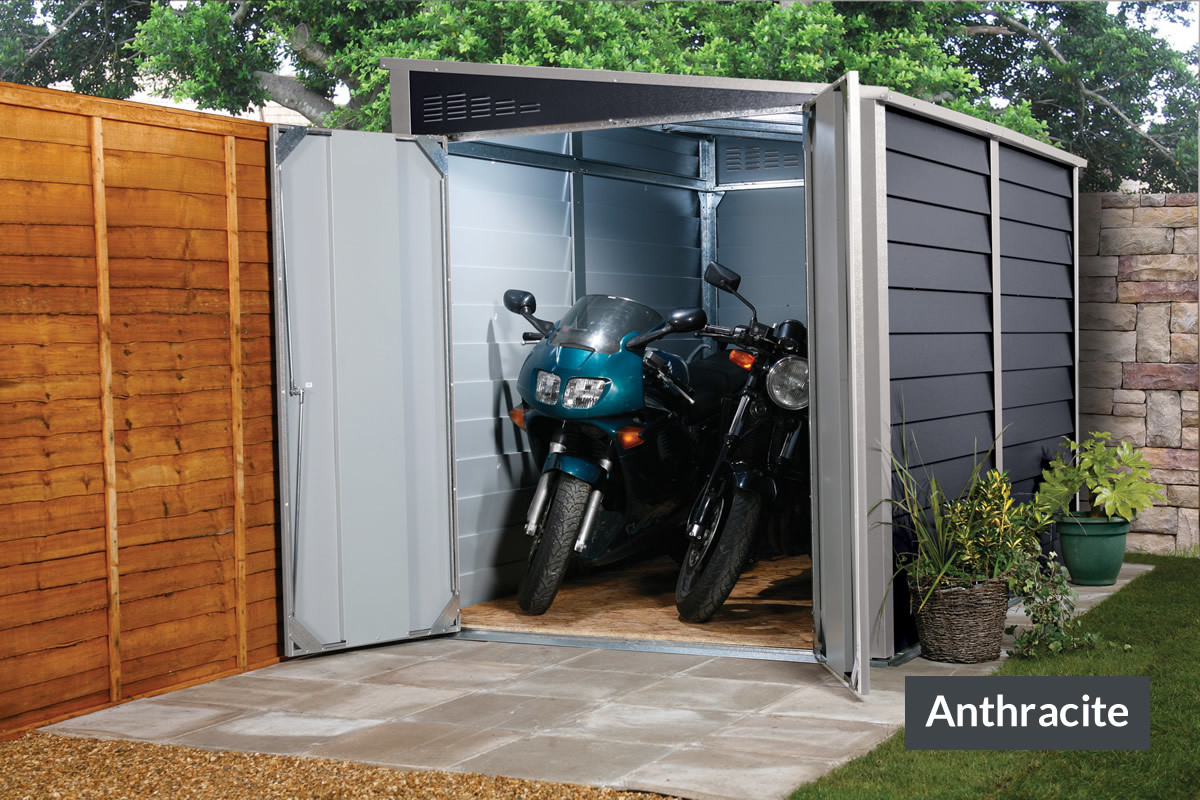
[{"x": 623, "y": 432}]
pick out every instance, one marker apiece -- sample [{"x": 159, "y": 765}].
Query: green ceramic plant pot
[{"x": 1093, "y": 548}]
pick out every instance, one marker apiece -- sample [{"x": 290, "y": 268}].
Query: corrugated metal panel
[
  {"x": 760, "y": 234},
  {"x": 643, "y": 149},
  {"x": 1037, "y": 311},
  {"x": 510, "y": 228},
  {"x": 642, "y": 242}
]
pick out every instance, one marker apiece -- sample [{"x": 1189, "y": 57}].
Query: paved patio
[{"x": 683, "y": 725}]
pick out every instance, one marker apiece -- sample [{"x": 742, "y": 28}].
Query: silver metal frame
[
  {"x": 792, "y": 654},
  {"x": 1075, "y": 296},
  {"x": 878, "y": 375},
  {"x": 997, "y": 305}
]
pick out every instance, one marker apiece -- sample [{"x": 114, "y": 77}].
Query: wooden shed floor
[{"x": 771, "y": 606}]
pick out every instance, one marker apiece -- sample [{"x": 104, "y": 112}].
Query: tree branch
[
  {"x": 1083, "y": 90},
  {"x": 312, "y": 52},
  {"x": 59, "y": 28},
  {"x": 980, "y": 30},
  {"x": 288, "y": 91},
  {"x": 239, "y": 15}
]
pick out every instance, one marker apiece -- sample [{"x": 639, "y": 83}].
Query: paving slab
[
  {"x": 622, "y": 722},
  {"x": 723, "y": 774},
  {"x": 565, "y": 758},
  {"x": 418, "y": 745},
  {"x": 508, "y": 711},
  {"x": 688, "y": 725},
  {"x": 148, "y": 720},
  {"x": 279, "y": 732},
  {"x": 716, "y": 694}
]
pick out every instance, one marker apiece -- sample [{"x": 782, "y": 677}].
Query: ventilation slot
[
  {"x": 748, "y": 159},
  {"x": 457, "y": 107}
]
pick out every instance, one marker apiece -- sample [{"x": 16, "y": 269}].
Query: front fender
[
  {"x": 583, "y": 469},
  {"x": 751, "y": 480}
]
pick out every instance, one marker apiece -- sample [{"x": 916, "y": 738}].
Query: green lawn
[{"x": 1159, "y": 614}]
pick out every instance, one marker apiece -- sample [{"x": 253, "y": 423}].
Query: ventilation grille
[
  {"x": 457, "y": 106},
  {"x": 754, "y": 158}
]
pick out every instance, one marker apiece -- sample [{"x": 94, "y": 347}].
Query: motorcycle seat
[{"x": 712, "y": 378}]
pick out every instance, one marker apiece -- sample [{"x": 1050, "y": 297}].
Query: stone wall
[{"x": 1137, "y": 346}]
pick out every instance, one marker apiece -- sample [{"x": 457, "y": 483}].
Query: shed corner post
[
  {"x": 997, "y": 305},
  {"x": 878, "y": 416}
]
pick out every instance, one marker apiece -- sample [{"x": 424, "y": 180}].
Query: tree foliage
[
  {"x": 81, "y": 42},
  {"x": 1100, "y": 84}
]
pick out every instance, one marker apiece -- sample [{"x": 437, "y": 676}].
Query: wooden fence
[{"x": 138, "y": 545}]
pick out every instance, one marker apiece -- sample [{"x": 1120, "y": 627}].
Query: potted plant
[
  {"x": 1118, "y": 482},
  {"x": 965, "y": 549}
]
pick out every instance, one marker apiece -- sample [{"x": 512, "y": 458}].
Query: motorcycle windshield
[{"x": 598, "y": 322}]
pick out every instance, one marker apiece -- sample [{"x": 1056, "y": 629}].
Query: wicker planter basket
[{"x": 963, "y": 624}]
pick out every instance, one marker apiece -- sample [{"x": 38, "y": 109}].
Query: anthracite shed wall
[
  {"x": 943, "y": 336},
  {"x": 1037, "y": 316},
  {"x": 939, "y": 294}
]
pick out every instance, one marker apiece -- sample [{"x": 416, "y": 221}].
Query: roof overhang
[{"x": 462, "y": 101}]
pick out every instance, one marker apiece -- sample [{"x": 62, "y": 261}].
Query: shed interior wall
[{"x": 561, "y": 235}]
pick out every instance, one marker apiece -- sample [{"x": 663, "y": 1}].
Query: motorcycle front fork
[{"x": 541, "y": 497}]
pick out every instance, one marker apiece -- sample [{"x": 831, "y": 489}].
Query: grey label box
[{"x": 1027, "y": 713}]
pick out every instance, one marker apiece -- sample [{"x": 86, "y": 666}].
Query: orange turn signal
[
  {"x": 742, "y": 358},
  {"x": 630, "y": 436},
  {"x": 517, "y": 415}
]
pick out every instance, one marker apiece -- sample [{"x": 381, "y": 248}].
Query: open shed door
[
  {"x": 837, "y": 413},
  {"x": 363, "y": 381}
]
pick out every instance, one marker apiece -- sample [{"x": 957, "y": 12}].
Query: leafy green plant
[
  {"x": 1050, "y": 604},
  {"x": 1117, "y": 478},
  {"x": 979, "y": 535}
]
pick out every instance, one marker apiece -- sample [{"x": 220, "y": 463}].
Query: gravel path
[{"x": 42, "y": 765}]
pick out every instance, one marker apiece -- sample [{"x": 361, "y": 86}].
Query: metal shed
[{"x": 931, "y": 255}]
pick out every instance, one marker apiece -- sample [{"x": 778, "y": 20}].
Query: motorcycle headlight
[
  {"x": 787, "y": 383},
  {"x": 547, "y": 387},
  {"x": 583, "y": 392}
]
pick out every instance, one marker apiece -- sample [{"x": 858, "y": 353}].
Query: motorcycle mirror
[
  {"x": 722, "y": 277},
  {"x": 686, "y": 320},
  {"x": 519, "y": 301}
]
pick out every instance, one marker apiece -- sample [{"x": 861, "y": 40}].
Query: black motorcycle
[{"x": 759, "y": 485}]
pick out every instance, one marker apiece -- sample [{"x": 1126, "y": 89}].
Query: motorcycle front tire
[
  {"x": 552, "y": 547},
  {"x": 703, "y": 587}
]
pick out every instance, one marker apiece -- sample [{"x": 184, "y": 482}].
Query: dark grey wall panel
[
  {"x": 922, "y": 355},
  {"x": 1020, "y": 240},
  {"x": 1025, "y": 462},
  {"x": 944, "y": 439},
  {"x": 935, "y": 226},
  {"x": 919, "y": 399},
  {"x": 1036, "y": 350},
  {"x": 1036, "y": 315},
  {"x": 914, "y": 267},
  {"x": 643, "y": 149},
  {"x": 760, "y": 235},
  {"x": 1035, "y": 278},
  {"x": 936, "y": 143},
  {"x": 939, "y": 184},
  {"x": 1029, "y": 387},
  {"x": 1037, "y": 309},
  {"x": 914, "y": 311},
  {"x": 1031, "y": 423},
  {"x": 1037, "y": 173},
  {"x": 1035, "y": 207}
]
